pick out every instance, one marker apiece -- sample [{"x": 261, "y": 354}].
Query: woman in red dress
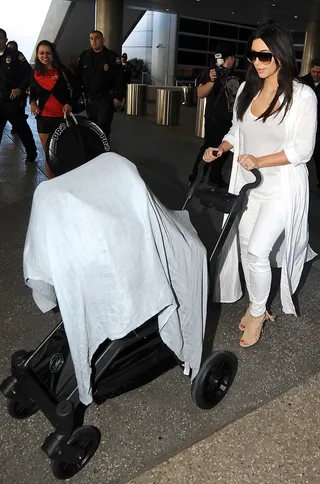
[{"x": 53, "y": 91}]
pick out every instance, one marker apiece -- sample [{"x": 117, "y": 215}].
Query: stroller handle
[{"x": 253, "y": 184}]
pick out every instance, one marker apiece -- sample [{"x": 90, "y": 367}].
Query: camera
[{"x": 221, "y": 71}]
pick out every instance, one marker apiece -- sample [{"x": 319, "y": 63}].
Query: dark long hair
[
  {"x": 56, "y": 63},
  {"x": 278, "y": 40}
]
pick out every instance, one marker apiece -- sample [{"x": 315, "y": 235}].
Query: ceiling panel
[{"x": 294, "y": 13}]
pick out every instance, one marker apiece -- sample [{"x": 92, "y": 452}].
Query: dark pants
[
  {"x": 101, "y": 111},
  {"x": 215, "y": 130},
  {"x": 316, "y": 156},
  {"x": 11, "y": 111}
]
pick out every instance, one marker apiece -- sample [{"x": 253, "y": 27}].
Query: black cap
[{"x": 226, "y": 49}]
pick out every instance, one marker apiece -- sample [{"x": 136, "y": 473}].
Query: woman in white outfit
[{"x": 274, "y": 129}]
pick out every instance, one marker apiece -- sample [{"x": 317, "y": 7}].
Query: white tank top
[{"x": 261, "y": 139}]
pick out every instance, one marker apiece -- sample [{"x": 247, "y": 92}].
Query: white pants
[{"x": 261, "y": 225}]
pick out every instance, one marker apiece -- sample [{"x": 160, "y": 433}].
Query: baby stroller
[
  {"x": 44, "y": 379},
  {"x": 73, "y": 143}
]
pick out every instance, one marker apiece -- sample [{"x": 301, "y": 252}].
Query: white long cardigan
[{"x": 301, "y": 126}]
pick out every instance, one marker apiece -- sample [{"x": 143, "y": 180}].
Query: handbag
[{"x": 78, "y": 106}]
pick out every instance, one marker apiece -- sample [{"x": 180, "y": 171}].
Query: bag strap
[
  {"x": 68, "y": 83},
  {"x": 72, "y": 116}
]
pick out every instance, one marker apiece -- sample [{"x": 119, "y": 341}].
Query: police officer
[
  {"x": 100, "y": 74},
  {"x": 220, "y": 89},
  {"x": 15, "y": 73}
]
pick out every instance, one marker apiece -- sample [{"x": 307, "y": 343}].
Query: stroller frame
[{"x": 71, "y": 445}]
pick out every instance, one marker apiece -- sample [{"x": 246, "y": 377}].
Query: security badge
[
  {"x": 106, "y": 67},
  {"x": 21, "y": 57},
  {"x": 8, "y": 59}
]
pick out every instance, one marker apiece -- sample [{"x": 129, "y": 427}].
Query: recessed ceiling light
[
  {"x": 167, "y": 9},
  {"x": 296, "y": 16},
  {"x": 232, "y": 13},
  {"x": 273, "y": 5}
]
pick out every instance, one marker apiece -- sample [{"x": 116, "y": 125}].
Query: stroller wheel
[
  {"x": 214, "y": 379},
  {"x": 88, "y": 438},
  {"x": 21, "y": 410}
]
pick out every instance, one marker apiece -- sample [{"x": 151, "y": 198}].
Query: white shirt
[{"x": 261, "y": 139}]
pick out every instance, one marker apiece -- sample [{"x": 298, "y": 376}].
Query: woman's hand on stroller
[
  {"x": 212, "y": 154},
  {"x": 248, "y": 162},
  {"x": 67, "y": 109}
]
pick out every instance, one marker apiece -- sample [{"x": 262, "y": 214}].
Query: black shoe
[{"x": 31, "y": 158}]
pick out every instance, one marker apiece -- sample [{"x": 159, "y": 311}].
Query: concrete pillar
[
  {"x": 311, "y": 46},
  {"x": 109, "y": 20},
  {"x": 164, "y": 48}
]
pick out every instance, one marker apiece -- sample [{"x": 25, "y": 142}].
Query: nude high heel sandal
[
  {"x": 253, "y": 330},
  {"x": 247, "y": 318}
]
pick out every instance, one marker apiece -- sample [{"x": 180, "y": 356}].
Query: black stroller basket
[{"x": 44, "y": 379}]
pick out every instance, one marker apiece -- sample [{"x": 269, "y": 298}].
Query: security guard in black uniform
[
  {"x": 99, "y": 71},
  {"x": 15, "y": 74}
]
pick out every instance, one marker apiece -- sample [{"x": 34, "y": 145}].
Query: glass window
[
  {"x": 191, "y": 42},
  {"x": 298, "y": 37},
  {"x": 191, "y": 58},
  {"x": 221, "y": 30},
  {"x": 213, "y": 44},
  {"x": 244, "y": 34},
  {"x": 241, "y": 48},
  {"x": 194, "y": 26}
]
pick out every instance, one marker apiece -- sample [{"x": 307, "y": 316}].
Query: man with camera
[{"x": 220, "y": 88}]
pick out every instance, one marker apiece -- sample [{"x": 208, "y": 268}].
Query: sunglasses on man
[{"x": 264, "y": 57}]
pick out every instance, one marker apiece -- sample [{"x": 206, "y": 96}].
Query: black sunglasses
[{"x": 264, "y": 57}]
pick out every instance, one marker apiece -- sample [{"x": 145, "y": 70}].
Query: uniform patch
[
  {"x": 8, "y": 59},
  {"x": 21, "y": 57},
  {"x": 106, "y": 67}
]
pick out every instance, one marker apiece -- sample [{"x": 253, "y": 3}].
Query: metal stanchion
[
  {"x": 137, "y": 99},
  {"x": 200, "y": 121},
  {"x": 168, "y": 107},
  {"x": 188, "y": 95}
]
